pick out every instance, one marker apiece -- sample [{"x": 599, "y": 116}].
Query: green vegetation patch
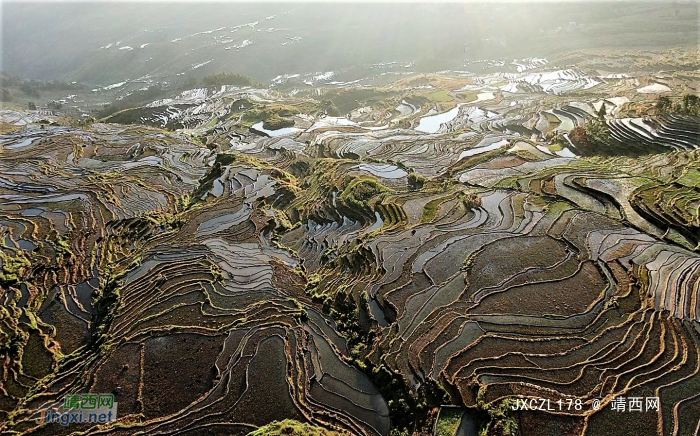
[
  {"x": 557, "y": 146},
  {"x": 448, "y": 421},
  {"x": 277, "y": 115},
  {"x": 430, "y": 209},
  {"x": 440, "y": 95},
  {"x": 358, "y": 191},
  {"x": 342, "y": 101},
  {"x": 690, "y": 178},
  {"x": 276, "y": 122},
  {"x": 468, "y": 95},
  {"x": 12, "y": 267},
  {"x": 289, "y": 427}
]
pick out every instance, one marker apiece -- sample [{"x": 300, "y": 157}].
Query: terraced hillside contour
[{"x": 344, "y": 276}]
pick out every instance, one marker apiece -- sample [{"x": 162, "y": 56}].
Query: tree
[
  {"x": 31, "y": 106},
  {"x": 602, "y": 111}
]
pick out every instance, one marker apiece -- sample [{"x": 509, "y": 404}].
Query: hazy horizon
[{"x": 80, "y": 41}]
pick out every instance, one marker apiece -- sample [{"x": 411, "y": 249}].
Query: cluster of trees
[
  {"x": 217, "y": 79},
  {"x": 592, "y": 138},
  {"x": 595, "y": 132},
  {"x": 689, "y": 104},
  {"x": 32, "y": 88}
]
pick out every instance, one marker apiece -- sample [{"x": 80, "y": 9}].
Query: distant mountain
[{"x": 103, "y": 44}]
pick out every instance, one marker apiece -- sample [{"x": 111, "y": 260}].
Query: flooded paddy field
[{"x": 386, "y": 247}]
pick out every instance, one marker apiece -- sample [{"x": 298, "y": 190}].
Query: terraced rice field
[{"x": 359, "y": 273}]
